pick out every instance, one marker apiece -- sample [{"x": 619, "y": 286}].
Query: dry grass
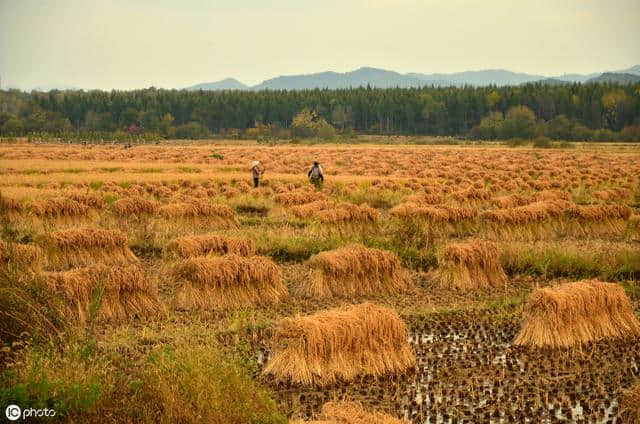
[
  {"x": 353, "y": 271},
  {"x": 209, "y": 244},
  {"x": 226, "y": 282},
  {"x": 348, "y": 412},
  {"x": 339, "y": 344},
  {"x": 470, "y": 265},
  {"x": 84, "y": 246},
  {"x": 576, "y": 313},
  {"x": 111, "y": 293}
]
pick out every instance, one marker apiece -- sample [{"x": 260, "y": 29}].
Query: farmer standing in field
[
  {"x": 256, "y": 172},
  {"x": 316, "y": 176}
]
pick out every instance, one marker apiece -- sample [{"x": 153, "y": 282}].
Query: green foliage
[
  {"x": 542, "y": 143},
  {"x": 191, "y": 130},
  {"x": 308, "y": 124},
  {"x": 520, "y": 121},
  {"x": 570, "y": 110},
  {"x": 13, "y": 126}
]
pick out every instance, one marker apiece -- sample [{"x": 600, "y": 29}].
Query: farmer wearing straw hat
[{"x": 256, "y": 172}]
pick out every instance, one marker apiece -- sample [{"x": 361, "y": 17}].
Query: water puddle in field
[{"x": 468, "y": 373}]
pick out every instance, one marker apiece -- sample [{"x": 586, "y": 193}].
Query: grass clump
[{"x": 609, "y": 261}]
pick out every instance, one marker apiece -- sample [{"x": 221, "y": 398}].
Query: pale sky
[{"x": 127, "y": 44}]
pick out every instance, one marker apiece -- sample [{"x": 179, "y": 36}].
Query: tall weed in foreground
[{"x": 96, "y": 382}]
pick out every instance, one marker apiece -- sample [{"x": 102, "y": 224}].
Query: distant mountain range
[{"x": 382, "y": 78}]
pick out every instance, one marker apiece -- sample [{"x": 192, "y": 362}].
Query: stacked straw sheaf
[
  {"x": 347, "y": 213},
  {"x": 227, "y": 281},
  {"x": 437, "y": 214},
  {"x": 10, "y": 207},
  {"x": 308, "y": 209},
  {"x": 469, "y": 265},
  {"x": 209, "y": 244},
  {"x": 59, "y": 207},
  {"x": 83, "y": 246},
  {"x": 197, "y": 209},
  {"x": 355, "y": 270},
  {"x": 299, "y": 197},
  {"x": 134, "y": 206},
  {"x": 91, "y": 200},
  {"x": 346, "y": 412},
  {"x": 600, "y": 219},
  {"x": 533, "y": 220},
  {"x": 340, "y": 344},
  {"x": 112, "y": 293},
  {"x": 576, "y": 313},
  {"x": 17, "y": 256}
]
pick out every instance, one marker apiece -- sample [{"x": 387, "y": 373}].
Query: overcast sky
[{"x": 128, "y": 44}]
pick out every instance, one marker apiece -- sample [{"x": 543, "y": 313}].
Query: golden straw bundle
[
  {"x": 197, "y": 208},
  {"x": 19, "y": 256},
  {"x": 92, "y": 200},
  {"x": 119, "y": 293},
  {"x": 347, "y": 213},
  {"x": 192, "y": 246},
  {"x": 10, "y": 206},
  {"x": 59, "y": 207},
  {"x": 469, "y": 265},
  {"x": 84, "y": 246},
  {"x": 576, "y": 313},
  {"x": 339, "y": 344},
  {"x": 299, "y": 197},
  {"x": 211, "y": 282},
  {"x": 346, "y": 412},
  {"x": 134, "y": 206},
  {"x": 630, "y": 405},
  {"x": 355, "y": 270}
]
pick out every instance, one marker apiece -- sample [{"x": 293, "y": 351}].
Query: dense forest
[{"x": 565, "y": 111}]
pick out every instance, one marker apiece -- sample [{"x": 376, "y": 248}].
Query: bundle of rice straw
[
  {"x": 59, "y": 207},
  {"x": 120, "y": 292},
  {"x": 469, "y": 265},
  {"x": 134, "y": 206},
  {"x": 209, "y": 244},
  {"x": 210, "y": 282},
  {"x": 18, "y": 256},
  {"x": 355, "y": 270},
  {"x": 346, "y": 412},
  {"x": 197, "y": 208},
  {"x": 576, "y": 313},
  {"x": 299, "y": 197},
  {"x": 339, "y": 344},
  {"x": 84, "y": 246}
]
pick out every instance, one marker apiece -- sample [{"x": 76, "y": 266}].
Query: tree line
[{"x": 565, "y": 111}]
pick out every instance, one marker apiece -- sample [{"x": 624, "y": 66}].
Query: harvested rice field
[{"x": 418, "y": 284}]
